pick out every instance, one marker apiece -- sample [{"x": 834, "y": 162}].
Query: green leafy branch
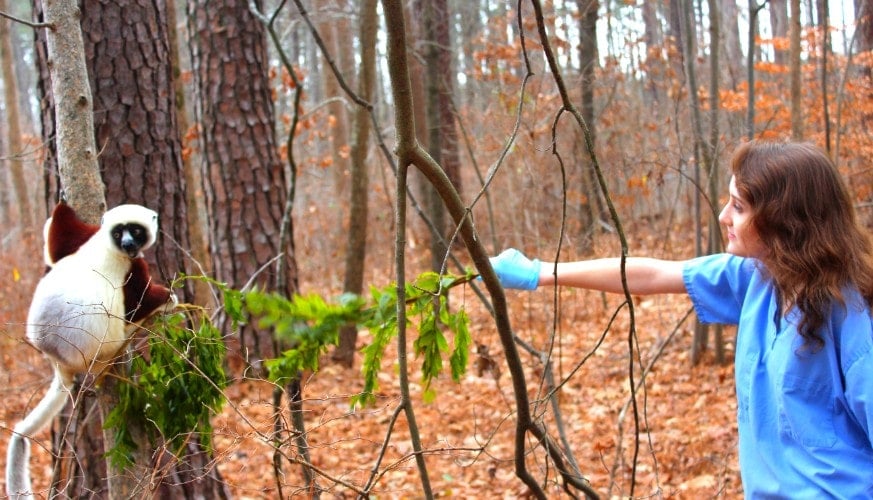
[
  {"x": 178, "y": 386},
  {"x": 310, "y": 325},
  {"x": 426, "y": 298},
  {"x": 174, "y": 392}
]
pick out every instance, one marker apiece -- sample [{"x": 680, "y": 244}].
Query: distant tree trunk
[
  {"x": 470, "y": 19},
  {"x": 733, "y": 69},
  {"x": 711, "y": 153},
  {"x": 824, "y": 29},
  {"x": 794, "y": 73},
  {"x": 653, "y": 37},
  {"x": 418, "y": 185},
  {"x": 779, "y": 27},
  {"x": 442, "y": 135},
  {"x": 674, "y": 36},
  {"x": 15, "y": 160},
  {"x": 356, "y": 244},
  {"x": 864, "y": 16},
  {"x": 701, "y": 155},
  {"x": 334, "y": 30},
  {"x": 754, "y": 8},
  {"x": 592, "y": 207}
]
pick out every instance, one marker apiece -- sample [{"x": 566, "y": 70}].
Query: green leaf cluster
[
  {"x": 426, "y": 299},
  {"x": 175, "y": 392},
  {"x": 308, "y": 324}
]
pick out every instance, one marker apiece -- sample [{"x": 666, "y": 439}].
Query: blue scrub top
[{"x": 804, "y": 417}]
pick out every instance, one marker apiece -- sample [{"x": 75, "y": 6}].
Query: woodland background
[{"x": 274, "y": 139}]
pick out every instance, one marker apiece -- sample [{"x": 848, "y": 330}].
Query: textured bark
[
  {"x": 126, "y": 46},
  {"x": 72, "y": 111},
  {"x": 244, "y": 179}
]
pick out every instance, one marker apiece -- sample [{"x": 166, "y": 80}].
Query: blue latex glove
[{"x": 515, "y": 270}]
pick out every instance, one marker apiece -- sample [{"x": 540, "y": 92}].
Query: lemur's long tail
[{"x": 18, "y": 485}]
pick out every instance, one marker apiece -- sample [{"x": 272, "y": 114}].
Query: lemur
[{"x": 97, "y": 286}]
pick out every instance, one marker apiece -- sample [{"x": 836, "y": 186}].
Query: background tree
[
  {"x": 794, "y": 75},
  {"x": 442, "y": 137},
  {"x": 15, "y": 157},
  {"x": 864, "y": 13},
  {"x": 244, "y": 178},
  {"x": 135, "y": 125},
  {"x": 356, "y": 244},
  {"x": 591, "y": 207}
]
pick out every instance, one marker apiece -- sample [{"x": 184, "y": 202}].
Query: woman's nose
[{"x": 723, "y": 215}]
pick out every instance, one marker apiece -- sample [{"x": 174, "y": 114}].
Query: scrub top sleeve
[
  {"x": 717, "y": 285},
  {"x": 859, "y": 391}
]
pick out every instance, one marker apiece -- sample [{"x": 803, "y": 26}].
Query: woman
[{"x": 797, "y": 279}]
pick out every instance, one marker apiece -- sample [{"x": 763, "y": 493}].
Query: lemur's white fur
[{"x": 77, "y": 320}]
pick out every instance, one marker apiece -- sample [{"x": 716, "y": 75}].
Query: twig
[{"x": 12, "y": 18}]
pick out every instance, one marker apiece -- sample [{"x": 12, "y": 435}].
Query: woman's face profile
[{"x": 743, "y": 239}]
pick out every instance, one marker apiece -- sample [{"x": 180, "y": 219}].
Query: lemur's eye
[
  {"x": 136, "y": 231},
  {"x": 116, "y": 234}
]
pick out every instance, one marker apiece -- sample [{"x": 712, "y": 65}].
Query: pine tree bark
[{"x": 244, "y": 177}]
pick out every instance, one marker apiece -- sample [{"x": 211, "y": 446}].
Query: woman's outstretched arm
[{"x": 645, "y": 276}]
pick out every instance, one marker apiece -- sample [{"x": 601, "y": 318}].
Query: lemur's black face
[{"x": 130, "y": 238}]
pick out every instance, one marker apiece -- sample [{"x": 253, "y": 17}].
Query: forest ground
[{"x": 687, "y": 413}]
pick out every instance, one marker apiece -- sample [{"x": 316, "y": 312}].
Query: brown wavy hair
[{"x": 802, "y": 211}]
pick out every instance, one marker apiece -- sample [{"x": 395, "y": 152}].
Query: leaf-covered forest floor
[{"x": 687, "y": 445}]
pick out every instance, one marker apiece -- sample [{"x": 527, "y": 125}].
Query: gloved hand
[{"x": 515, "y": 270}]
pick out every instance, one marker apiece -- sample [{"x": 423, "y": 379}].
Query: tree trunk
[
  {"x": 334, "y": 30},
  {"x": 794, "y": 73},
  {"x": 779, "y": 27},
  {"x": 195, "y": 208},
  {"x": 823, "y": 28},
  {"x": 733, "y": 67},
  {"x": 864, "y": 15},
  {"x": 591, "y": 207},
  {"x": 653, "y": 37},
  {"x": 128, "y": 47},
  {"x": 754, "y": 8},
  {"x": 711, "y": 154},
  {"x": 244, "y": 178},
  {"x": 134, "y": 124},
  {"x": 78, "y": 171},
  {"x": 442, "y": 136},
  {"x": 356, "y": 244},
  {"x": 15, "y": 157}
]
